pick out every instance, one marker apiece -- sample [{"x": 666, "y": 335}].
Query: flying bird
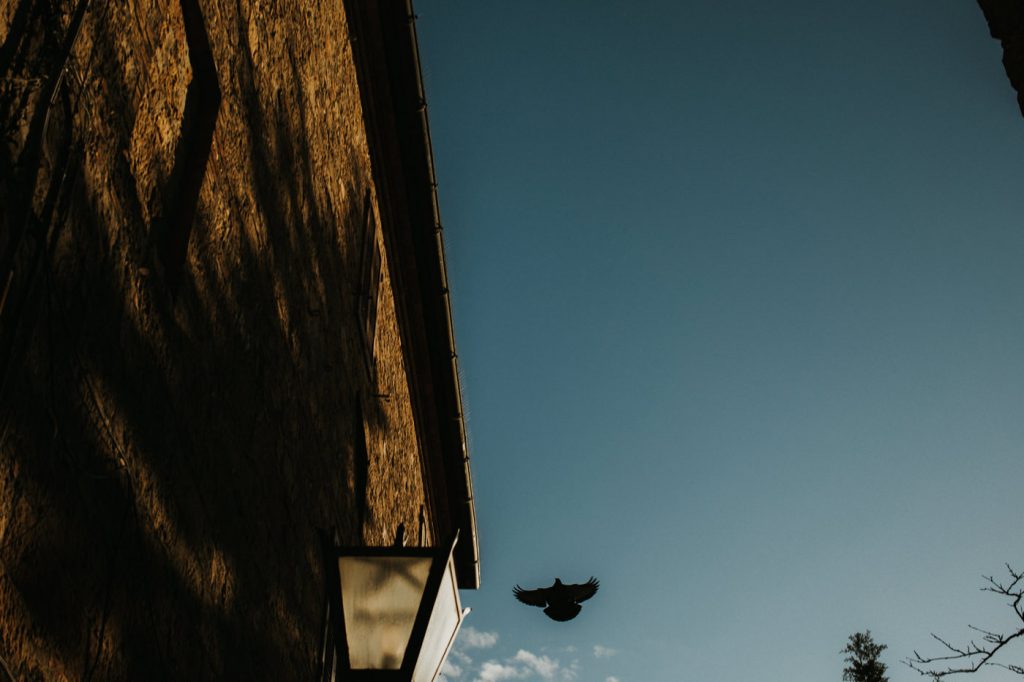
[{"x": 562, "y": 601}]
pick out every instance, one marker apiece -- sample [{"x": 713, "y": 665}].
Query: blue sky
[{"x": 739, "y": 301}]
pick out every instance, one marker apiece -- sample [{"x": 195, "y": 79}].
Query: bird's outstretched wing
[
  {"x": 531, "y": 597},
  {"x": 585, "y": 591}
]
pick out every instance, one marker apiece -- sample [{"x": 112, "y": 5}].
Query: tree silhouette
[
  {"x": 971, "y": 657},
  {"x": 864, "y": 665}
]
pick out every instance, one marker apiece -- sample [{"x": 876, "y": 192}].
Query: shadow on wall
[
  {"x": 181, "y": 452},
  {"x": 28, "y": 112},
  {"x": 202, "y": 104}
]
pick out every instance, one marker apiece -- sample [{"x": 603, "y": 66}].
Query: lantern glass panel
[
  {"x": 445, "y": 617},
  {"x": 380, "y": 599}
]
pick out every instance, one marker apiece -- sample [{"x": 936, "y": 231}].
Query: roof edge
[{"x": 386, "y": 50}]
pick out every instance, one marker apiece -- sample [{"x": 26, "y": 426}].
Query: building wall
[{"x": 169, "y": 449}]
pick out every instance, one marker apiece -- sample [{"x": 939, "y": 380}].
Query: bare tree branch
[{"x": 972, "y": 657}]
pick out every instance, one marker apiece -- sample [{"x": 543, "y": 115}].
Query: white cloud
[
  {"x": 493, "y": 671},
  {"x": 542, "y": 665},
  {"x": 527, "y": 665},
  {"x": 471, "y": 638},
  {"x": 611, "y": 678},
  {"x": 604, "y": 651},
  {"x": 449, "y": 669}
]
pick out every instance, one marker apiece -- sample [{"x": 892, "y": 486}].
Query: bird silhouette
[{"x": 562, "y": 601}]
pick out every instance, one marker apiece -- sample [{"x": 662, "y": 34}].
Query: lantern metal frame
[{"x": 336, "y": 636}]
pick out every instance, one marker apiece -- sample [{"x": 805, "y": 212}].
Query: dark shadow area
[
  {"x": 21, "y": 295},
  {"x": 23, "y": 174},
  {"x": 198, "y": 123},
  {"x": 17, "y": 32},
  {"x": 36, "y": 157},
  {"x": 361, "y": 464}
]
